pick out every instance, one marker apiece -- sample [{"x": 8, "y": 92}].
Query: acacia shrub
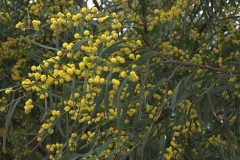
[{"x": 122, "y": 80}]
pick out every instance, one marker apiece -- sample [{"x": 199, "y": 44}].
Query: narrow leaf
[
  {"x": 8, "y": 121},
  {"x": 43, "y": 46}
]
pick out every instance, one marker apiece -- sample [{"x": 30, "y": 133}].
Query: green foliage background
[{"x": 126, "y": 79}]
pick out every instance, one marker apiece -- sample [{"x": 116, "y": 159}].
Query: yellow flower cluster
[
  {"x": 5, "y": 16},
  {"x": 20, "y": 26},
  {"x": 8, "y": 90},
  {"x": 73, "y": 142},
  {"x": 216, "y": 140},
  {"x": 174, "y": 150},
  {"x": 36, "y": 24},
  {"x": 133, "y": 76},
  {"x": 17, "y": 69},
  {"x": 100, "y": 138},
  {"x": 28, "y": 106},
  {"x": 46, "y": 128},
  {"x": 4, "y": 102},
  {"x": 54, "y": 149},
  {"x": 186, "y": 107}
]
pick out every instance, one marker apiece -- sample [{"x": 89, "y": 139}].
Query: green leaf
[
  {"x": 221, "y": 88},
  {"x": 132, "y": 149},
  {"x": 108, "y": 19},
  {"x": 171, "y": 25},
  {"x": 26, "y": 134},
  {"x": 210, "y": 102},
  {"x": 144, "y": 36},
  {"x": 145, "y": 57},
  {"x": 206, "y": 117},
  {"x": 59, "y": 127},
  {"x": 13, "y": 138},
  {"x": 67, "y": 128},
  {"x": 174, "y": 96},
  {"x": 74, "y": 89},
  {"x": 94, "y": 22},
  {"x": 209, "y": 20},
  {"x": 106, "y": 100},
  {"x": 98, "y": 102},
  {"x": 212, "y": 85},
  {"x": 43, "y": 46},
  {"x": 49, "y": 92},
  {"x": 113, "y": 48},
  {"x": 27, "y": 125},
  {"x": 226, "y": 51},
  {"x": 8, "y": 121},
  {"x": 105, "y": 145},
  {"x": 76, "y": 46},
  {"x": 57, "y": 39},
  {"x": 212, "y": 14},
  {"x": 120, "y": 120},
  {"x": 130, "y": 6},
  {"x": 100, "y": 50},
  {"x": 46, "y": 71},
  {"x": 35, "y": 57},
  {"x": 145, "y": 140},
  {"x": 207, "y": 77}
]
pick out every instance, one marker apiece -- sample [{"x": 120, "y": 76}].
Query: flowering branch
[{"x": 167, "y": 61}]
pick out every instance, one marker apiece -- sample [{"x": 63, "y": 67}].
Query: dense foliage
[{"x": 125, "y": 79}]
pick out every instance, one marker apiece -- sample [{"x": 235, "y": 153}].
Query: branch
[
  {"x": 81, "y": 3},
  {"x": 144, "y": 14},
  {"x": 174, "y": 71},
  {"x": 167, "y": 61},
  {"x": 145, "y": 26},
  {"x": 97, "y": 5},
  {"x": 42, "y": 150}
]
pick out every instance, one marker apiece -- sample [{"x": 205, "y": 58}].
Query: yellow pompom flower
[
  {"x": 122, "y": 74},
  {"x": 94, "y": 9},
  {"x": 170, "y": 92},
  {"x": 86, "y": 32},
  {"x": 102, "y": 80},
  {"x": 133, "y": 76},
  {"x": 66, "y": 108},
  {"x": 8, "y": 90},
  {"x": 139, "y": 42}
]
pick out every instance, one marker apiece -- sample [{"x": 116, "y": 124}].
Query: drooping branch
[{"x": 168, "y": 61}]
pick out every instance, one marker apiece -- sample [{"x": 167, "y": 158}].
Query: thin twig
[{"x": 174, "y": 71}]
